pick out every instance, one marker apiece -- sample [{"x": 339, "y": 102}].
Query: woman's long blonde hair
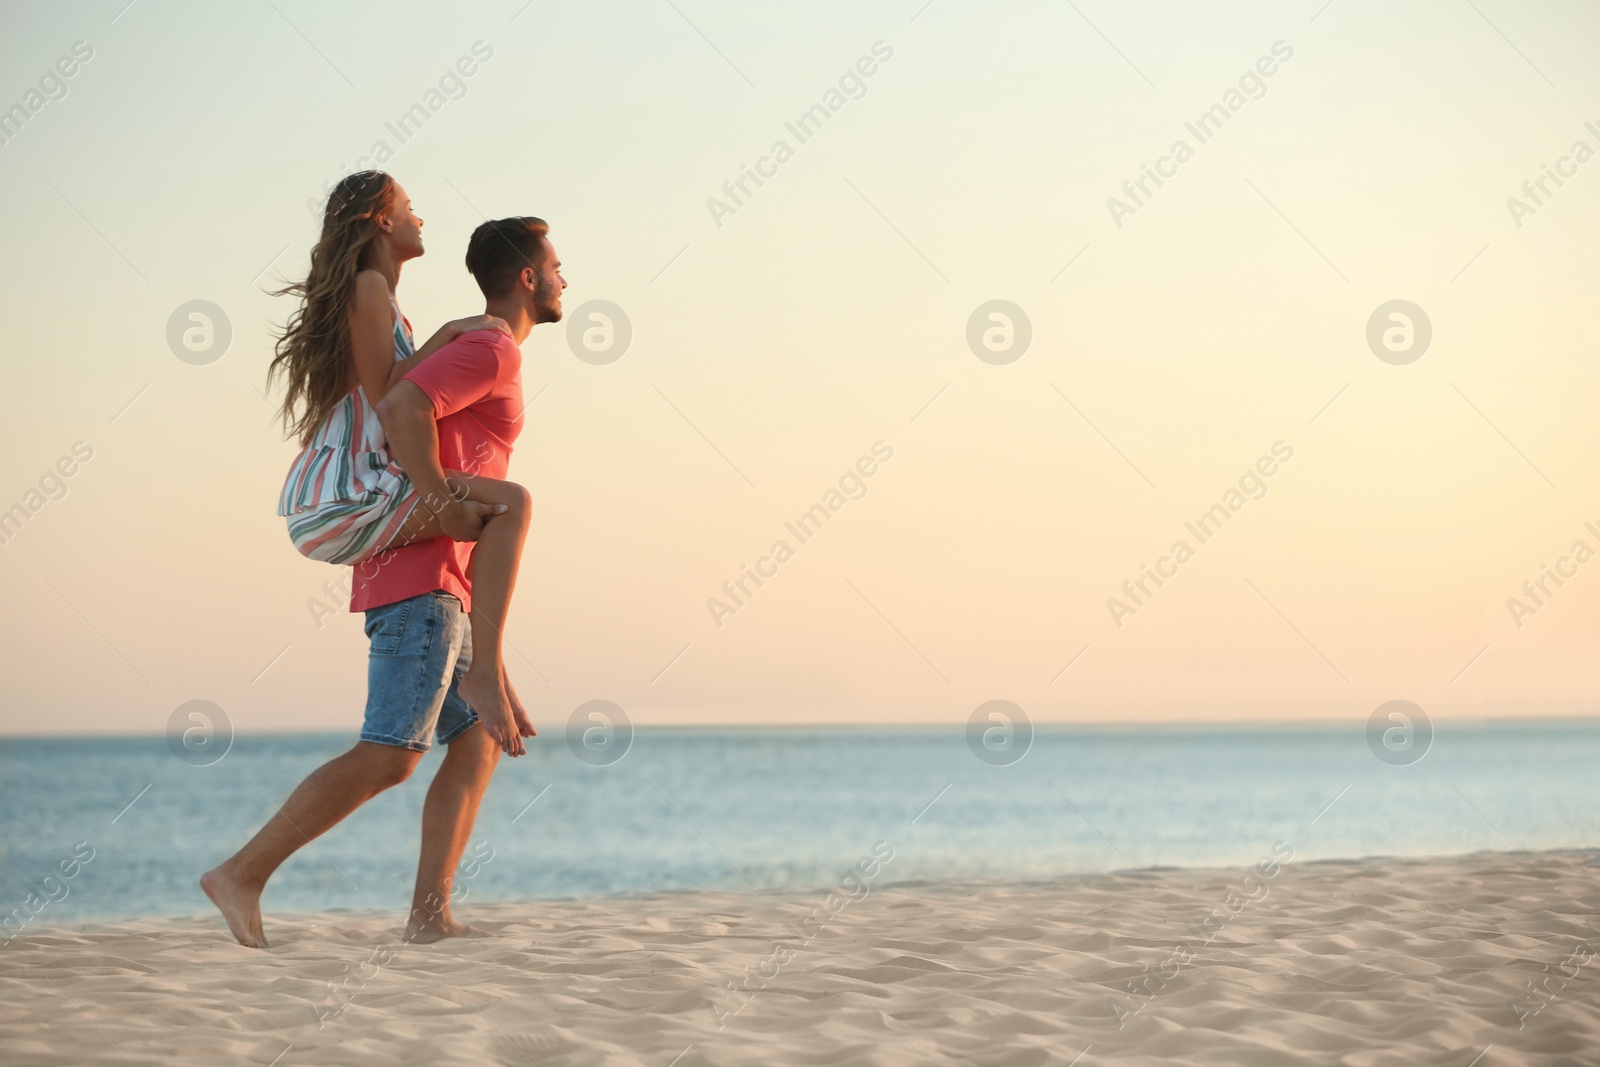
[{"x": 313, "y": 352}]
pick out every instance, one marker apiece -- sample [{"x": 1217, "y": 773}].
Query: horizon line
[{"x": 928, "y": 726}]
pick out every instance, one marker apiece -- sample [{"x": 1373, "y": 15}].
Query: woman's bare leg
[{"x": 495, "y": 559}]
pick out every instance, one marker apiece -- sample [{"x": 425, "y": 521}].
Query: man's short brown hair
[{"x": 500, "y": 249}]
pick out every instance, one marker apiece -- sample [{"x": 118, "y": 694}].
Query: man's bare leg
[
  {"x": 328, "y": 794},
  {"x": 447, "y": 818}
]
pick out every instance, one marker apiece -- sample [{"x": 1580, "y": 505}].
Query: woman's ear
[{"x": 385, "y": 224}]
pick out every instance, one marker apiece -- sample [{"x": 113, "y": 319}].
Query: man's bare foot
[
  {"x": 439, "y": 929},
  {"x": 240, "y": 904},
  {"x": 485, "y": 692}
]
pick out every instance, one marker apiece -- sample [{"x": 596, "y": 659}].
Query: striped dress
[{"x": 345, "y": 498}]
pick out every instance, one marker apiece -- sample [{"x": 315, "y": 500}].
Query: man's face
[{"x": 548, "y": 287}]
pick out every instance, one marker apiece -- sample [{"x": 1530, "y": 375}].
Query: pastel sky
[{"x": 778, "y": 338}]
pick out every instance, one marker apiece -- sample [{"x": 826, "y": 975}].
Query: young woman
[{"x": 345, "y": 499}]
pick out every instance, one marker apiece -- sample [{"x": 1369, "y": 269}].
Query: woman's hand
[{"x": 479, "y": 322}]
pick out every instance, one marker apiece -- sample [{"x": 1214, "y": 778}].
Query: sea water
[{"x": 762, "y": 809}]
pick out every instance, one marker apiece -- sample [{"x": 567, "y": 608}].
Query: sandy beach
[{"x": 1360, "y": 963}]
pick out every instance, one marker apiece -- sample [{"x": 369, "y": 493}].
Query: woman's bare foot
[
  {"x": 440, "y": 928},
  {"x": 484, "y": 690},
  {"x": 240, "y": 904}
]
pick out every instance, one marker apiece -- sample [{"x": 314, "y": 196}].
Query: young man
[{"x": 459, "y": 410}]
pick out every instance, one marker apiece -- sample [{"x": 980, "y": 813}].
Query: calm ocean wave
[{"x": 790, "y": 808}]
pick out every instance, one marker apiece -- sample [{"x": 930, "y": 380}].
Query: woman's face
[{"x": 402, "y": 226}]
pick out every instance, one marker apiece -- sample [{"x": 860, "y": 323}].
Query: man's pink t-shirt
[{"x": 475, "y": 383}]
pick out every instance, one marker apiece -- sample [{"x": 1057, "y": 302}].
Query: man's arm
[{"x": 407, "y": 416}]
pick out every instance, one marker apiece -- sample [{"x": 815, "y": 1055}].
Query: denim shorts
[{"x": 420, "y": 648}]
